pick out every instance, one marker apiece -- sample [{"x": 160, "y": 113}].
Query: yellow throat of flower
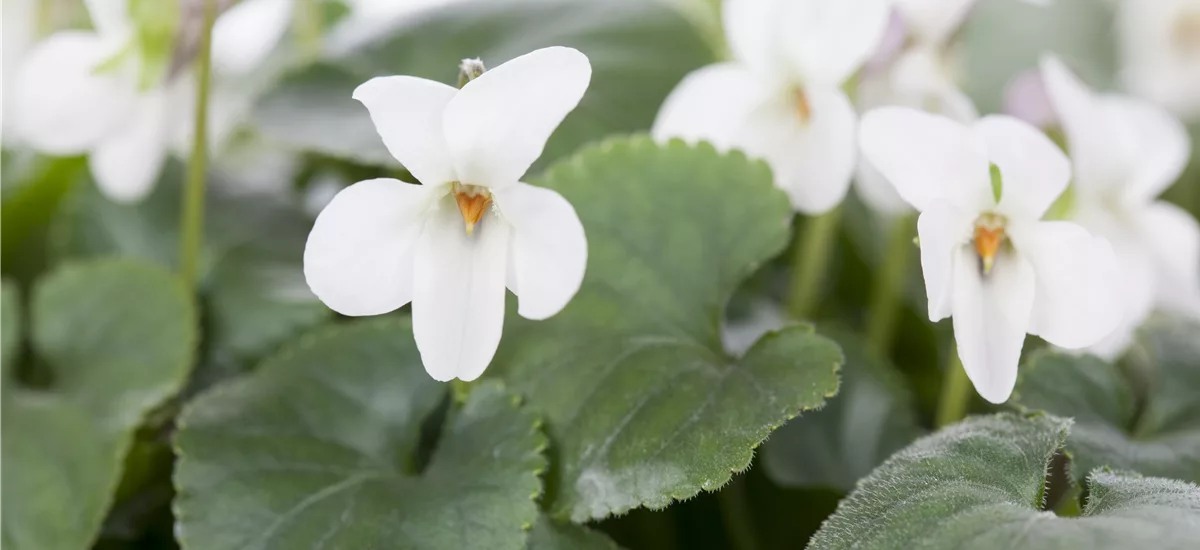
[
  {"x": 989, "y": 236},
  {"x": 473, "y": 202},
  {"x": 801, "y": 104}
]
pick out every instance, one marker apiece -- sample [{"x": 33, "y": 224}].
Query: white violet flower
[
  {"x": 988, "y": 260},
  {"x": 1126, "y": 152},
  {"x": 451, "y": 245},
  {"x": 1160, "y": 52},
  {"x": 108, "y": 93},
  {"x": 781, "y": 98}
]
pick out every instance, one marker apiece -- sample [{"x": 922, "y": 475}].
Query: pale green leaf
[
  {"x": 1158, "y": 435},
  {"x": 643, "y": 404},
  {"x": 118, "y": 338},
  {"x": 980, "y": 484},
  {"x": 318, "y": 449}
]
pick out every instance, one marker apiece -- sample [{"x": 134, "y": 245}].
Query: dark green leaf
[
  {"x": 10, "y": 325},
  {"x": 1160, "y": 436},
  {"x": 639, "y": 51},
  {"x": 118, "y": 339},
  {"x": 642, "y": 402},
  {"x": 550, "y": 535},
  {"x": 872, "y": 417},
  {"x": 318, "y": 448},
  {"x": 253, "y": 276},
  {"x": 980, "y": 484}
]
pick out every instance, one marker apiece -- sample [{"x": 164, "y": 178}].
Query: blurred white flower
[
  {"x": 921, "y": 77},
  {"x": 781, "y": 98},
  {"x": 1160, "y": 52},
  {"x": 19, "y": 31},
  {"x": 987, "y": 259},
  {"x": 452, "y": 245},
  {"x": 370, "y": 19},
  {"x": 1126, "y": 152},
  {"x": 1025, "y": 98},
  {"x": 107, "y": 94}
]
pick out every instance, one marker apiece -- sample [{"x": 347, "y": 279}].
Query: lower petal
[
  {"x": 458, "y": 295},
  {"x": 943, "y": 229},
  {"x": 991, "y": 317},
  {"x": 61, "y": 105},
  {"x": 359, "y": 256},
  {"x": 549, "y": 249},
  {"x": 1078, "y": 282},
  {"x": 126, "y": 163},
  {"x": 812, "y": 155}
]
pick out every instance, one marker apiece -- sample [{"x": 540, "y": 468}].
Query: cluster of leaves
[{"x": 135, "y": 415}]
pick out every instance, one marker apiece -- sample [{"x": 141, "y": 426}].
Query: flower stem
[
  {"x": 956, "y": 392},
  {"x": 889, "y": 285},
  {"x": 308, "y": 26},
  {"x": 192, "y": 221},
  {"x": 735, "y": 514},
  {"x": 810, "y": 262}
]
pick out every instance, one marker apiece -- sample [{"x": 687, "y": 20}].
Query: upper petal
[
  {"x": 61, "y": 105},
  {"x": 813, "y": 155},
  {"x": 1088, "y": 129},
  {"x": 458, "y": 301},
  {"x": 991, "y": 317},
  {"x": 126, "y": 162},
  {"x": 711, "y": 104},
  {"x": 943, "y": 229},
  {"x": 1155, "y": 146},
  {"x": 1078, "y": 300},
  {"x": 1034, "y": 171},
  {"x": 753, "y": 29},
  {"x": 1172, "y": 237},
  {"x": 828, "y": 40},
  {"x": 110, "y": 18},
  {"x": 245, "y": 34},
  {"x": 407, "y": 112},
  {"x": 549, "y": 248},
  {"x": 927, "y": 157},
  {"x": 359, "y": 255},
  {"x": 498, "y": 124}
]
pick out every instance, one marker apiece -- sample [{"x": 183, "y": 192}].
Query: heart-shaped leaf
[
  {"x": 1158, "y": 435},
  {"x": 253, "y": 278},
  {"x": 319, "y": 448},
  {"x": 117, "y": 338},
  {"x": 873, "y": 416},
  {"x": 980, "y": 484},
  {"x": 643, "y": 404},
  {"x": 639, "y": 51},
  {"x": 550, "y": 535}
]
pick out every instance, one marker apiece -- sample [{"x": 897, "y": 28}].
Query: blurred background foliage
[{"x": 307, "y": 138}]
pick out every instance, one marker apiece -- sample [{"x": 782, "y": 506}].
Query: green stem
[
  {"x": 810, "y": 262},
  {"x": 956, "y": 392},
  {"x": 192, "y": 221},
  {"x": 308, "y": 28},
  {"x": 735, "y": 514},
  {"x": 889, "y": 285}
]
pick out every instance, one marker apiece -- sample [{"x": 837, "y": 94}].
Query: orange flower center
[
  {"x": 989, "y": 236},
  {"x": 801, "y": 104},
  {"x": 473, "y": 202}
]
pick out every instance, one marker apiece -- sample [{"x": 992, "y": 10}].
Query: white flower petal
[
  {"x": 498, "y": 124},
  {"x": 753, "y": 30},
  {"x": 1172, "y": 237},
  {"x": 549, "y": 249},
  {"x": 110, "y": 18},
  {"x": 359, "y": 256},
  {"x": 991, "y": 317},
  {"x": 458, "y": 301},
  {"x": 943, "y": 229},
  {"x": 828, "y": 40},
  {"x": 711, "y": 104},
  {"x": 127, "y": 161},
  {"x": 1153, "y": 64},
  {"x": 245, "y": 34},
  {"x": 1078, "y": 300},
  {"x": 813, "y": 160},
  {"x": 1154, "y": 146},
  {"x": 877, "y": 192},
  {"x": 61, "y": 105},
  {"x": 927, "y": 157},
  {"x": 408, "y": 114},
  {"x": 933, "y": 21},
  {"x": 1089, "y": 130},
  {"x": 1034, "y": 171}
]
